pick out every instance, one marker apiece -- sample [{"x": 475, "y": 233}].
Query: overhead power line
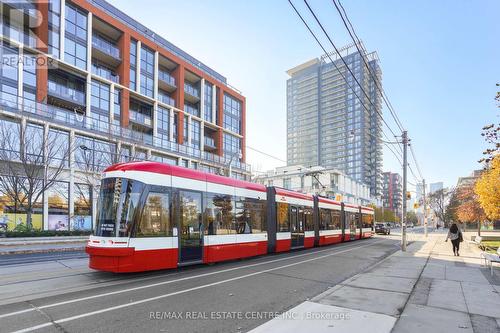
[
  {"x": 269, "y": 155},
  {"x": 357, "y": 42},
  {"x": 346, "y": 65}
]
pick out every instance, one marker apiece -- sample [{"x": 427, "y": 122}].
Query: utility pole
[
  {"x": 405, "y": 164},
  {"x": 425, "y": 209}
]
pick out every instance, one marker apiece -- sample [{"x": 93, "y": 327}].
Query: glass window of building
[
  {"x": 58, "y": 147},
  {"x": 287, "y": 183},
  {"x": 93, "y": 154},
  {"x": 13, "y": 212},
  {"x": 186, "y": 127},
  {"x": 58, "y": 214},
  {"x": 104, "y": 71},
  {"x": 124, "y": 153},
  {"x": 232, "y": 114},
  {"x": 195, "y": 133},
  {"x": 117, "y": 107},
  {"x": 208, "y": 101},
  {"x": 82, "y": 201},
  {"x": 231, "y": 146},
  {"x": 133, "y": 62},
  {"x": 174, "y": 127},
  {"x": 100, "y": 95},
  {"x": 163, "y": 123},
  {"x": 147, "y": 71},
  {"x": 75, "y": 37},
  {"x": 54, "y": 24},
  {"x": 8, "y": 72}
]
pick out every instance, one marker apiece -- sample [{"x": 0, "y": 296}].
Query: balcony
[
  {"x": 66, "y": 94},
  {"x": 105, "y": 72},
  {"x": 166, "y": 99},
  {"x": 166, "y": 81},
  {"x": 64, "y": 117},
  {"x": 15, "y": 33},
  {"x": 192, "y": 94},
  {"x": 105, "y": 51},
  {"x": 140, "y": 118},
  {"x": 210, "y": 144},
  {"x": 191, "y": 110}
]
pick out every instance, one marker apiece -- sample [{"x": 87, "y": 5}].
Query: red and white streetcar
[{"x": 154, "y": 216}]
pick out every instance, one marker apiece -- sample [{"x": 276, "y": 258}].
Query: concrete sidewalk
[
  {"x": 425, "y": 289},
  {"x": 42, "y": 244}
]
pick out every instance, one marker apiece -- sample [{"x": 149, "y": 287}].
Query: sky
[{"x": 440, "y": 62}]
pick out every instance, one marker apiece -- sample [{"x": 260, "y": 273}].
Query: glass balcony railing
[
  {"x": 106, "y": 46},
  {"x": 65, "y": 117},
  {"x": 140, "y": 118},
  {"x": 166, "y": 99},
  {"x": 166, "y": 77},
  {"x": 191, "y": 90},
  {"x": 210, "y": 142},
  {"x": 17, "y": 34},
  {"x": 105, "y": 73},
  {"x": 192, "y": 110},
  {"x": 66, "y": 93}
]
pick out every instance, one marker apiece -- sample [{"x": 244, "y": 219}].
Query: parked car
[{"x": 383, "y": 228}]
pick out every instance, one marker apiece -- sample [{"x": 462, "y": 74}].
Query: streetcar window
[
  {"x": 282, "y": 217},
  {"x": 308, "y": 219},
  {"x": 325, "y": 219},
  {"x": 118, "y": 202},
  {"x": 219, "y": 214},
  {"x": 155, "y": 219},
  {"x": 250, "y": 215},
  {"x": 335, "y": 220},
  {"x": 367, "y": 220}
]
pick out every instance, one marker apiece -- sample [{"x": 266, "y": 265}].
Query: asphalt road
[{"x": 226, "y": 297}]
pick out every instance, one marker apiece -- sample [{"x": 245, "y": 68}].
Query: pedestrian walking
[{"x": 455, "y": 235}]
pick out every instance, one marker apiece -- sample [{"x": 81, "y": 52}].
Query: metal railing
[
  {"x": 105, "y": 46},
  {"x": 65, "y": 117}
]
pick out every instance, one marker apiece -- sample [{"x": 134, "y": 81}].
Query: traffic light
[{"x": 408, "y": 195}]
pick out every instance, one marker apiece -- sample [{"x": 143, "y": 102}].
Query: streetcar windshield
[{"x": 117, "y": 204}]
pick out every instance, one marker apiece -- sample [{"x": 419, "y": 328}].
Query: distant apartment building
[
  {"x": 327, "y": 125},
  {"x": 392, "y": 192},
  {"x": 92, "y": 78},
  {"x": 434, "y": 187},
  {"x": 469, "y": 180},
  {"x": 331, "y": 183}
]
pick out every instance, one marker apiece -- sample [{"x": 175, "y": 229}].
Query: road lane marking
[
  {"x": 88, "y": 314},
  {"x": 349, "y": 246}
]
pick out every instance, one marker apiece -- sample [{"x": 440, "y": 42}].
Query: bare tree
[
  {"x": 439, "y": 201},
  {"x": 92, "y": 164},
  {"x": 31, "y": 161}
]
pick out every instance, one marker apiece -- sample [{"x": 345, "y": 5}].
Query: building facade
[
  {"x": 327, "y": 125},
  {"x": 107, "y": 89},
  {"x": 434, "y": 187},
  {"x": 392, "y": 192},
  {"x": 331, "y": 183}
]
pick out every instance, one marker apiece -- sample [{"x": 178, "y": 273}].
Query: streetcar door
[
  {"x": 190, "y": 226},
  {"x": 353, "y": 225},
  {"x": 297, "y": 226}
]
